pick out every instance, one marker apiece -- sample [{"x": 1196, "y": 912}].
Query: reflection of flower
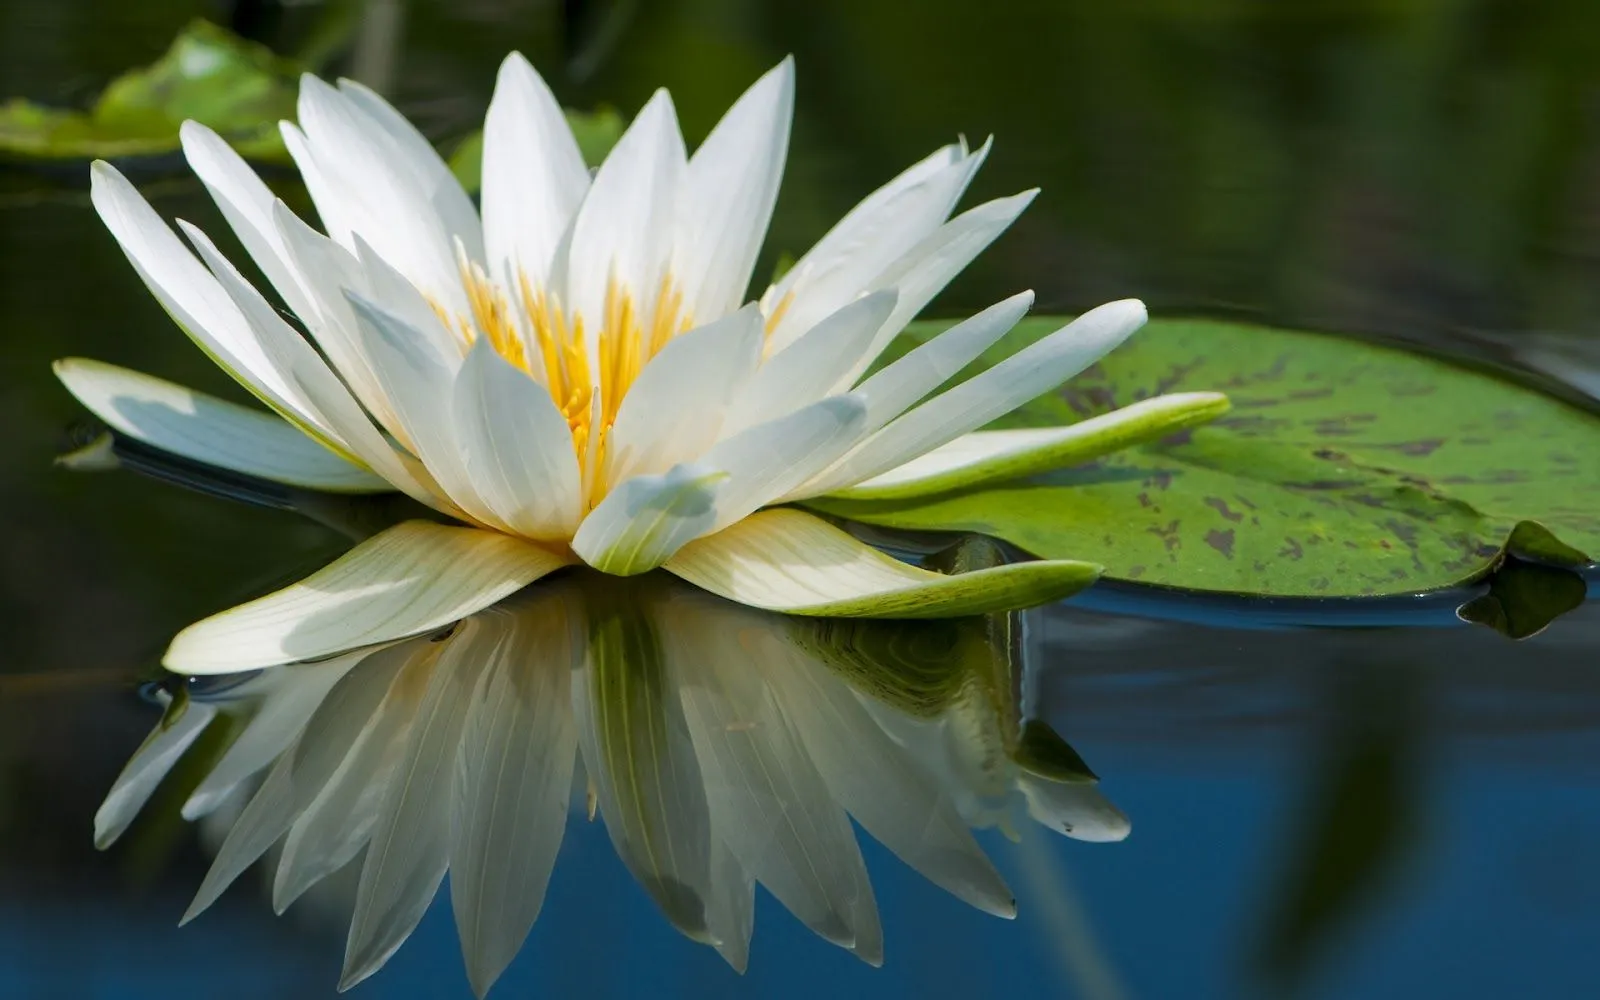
[
  {"x": 722, "y": 747},
  {"x": 572, "y": 374}
]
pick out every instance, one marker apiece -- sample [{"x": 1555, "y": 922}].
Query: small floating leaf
[
  {"x": 1343, "y": 469},
  {"x": 238, "y": 88},
  {"x": 1524, "y": 598}
]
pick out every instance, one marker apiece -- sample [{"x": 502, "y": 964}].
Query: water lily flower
[
  {"x": 573, "y": 375},
  {"x": 721, "y": 746}
]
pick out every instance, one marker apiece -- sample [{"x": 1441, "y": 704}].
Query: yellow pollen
[{"x": 548, "y": 343}]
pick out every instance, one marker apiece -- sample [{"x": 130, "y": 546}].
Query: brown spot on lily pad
[
  {"x": 1222, "y": 541},
  {"x": 1221, "y": 507}
]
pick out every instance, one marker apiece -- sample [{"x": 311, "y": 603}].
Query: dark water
[{"x": 1373, "y": 812}]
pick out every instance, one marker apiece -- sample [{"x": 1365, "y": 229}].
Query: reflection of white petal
[
  {"x": 340, "y": 818},
  {"x": 145, "y": 769},
  {"x": 410, "y": 846},
  {"x": 638, "y": 752},
  {"x": 767, "y": 802},
  {"x": 518, "y": 746},
  {"x": 292, "y": 695},
  {"x": 882, "y": 786},
  {"x": 301, "y": 772},
  {"x": 1078, "y": 810}
]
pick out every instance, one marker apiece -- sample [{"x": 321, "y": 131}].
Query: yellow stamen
[{"x": 548, "y": 343}]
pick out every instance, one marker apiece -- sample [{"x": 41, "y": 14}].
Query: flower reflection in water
[{"x": 721, "y": 746}]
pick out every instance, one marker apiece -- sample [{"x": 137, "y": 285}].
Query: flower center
[{"x": 587, "y": 374}]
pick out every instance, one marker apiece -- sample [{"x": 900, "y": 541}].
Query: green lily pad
[
  {"x": 596, "y": 132},
  {"x": 238, "y": 88},
  {"x": 1343, "y": 469}
]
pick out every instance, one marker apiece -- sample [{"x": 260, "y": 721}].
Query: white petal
[
  {"x": 1030, "y": 372},
  {"x": 732, "y": 185},
  {"x": 247, "y": 203},
  {"x": 199, "y": 305},
  {"x": 770, "y": 459},
  {"x": 417, "y": 384},
  {"x": 409, "y": 579},
  {"x": 518, "y": 748},
  {"x": 995, "y": 456},
  {"x": 676, "y": 407},
  {"x": 814, "y": 366},
  {"x": 647, "y": 518},
  {"x": 386, "y": 192},
  {"x": 907, "y": 379},
  {"x": 622, "y": 236},
  {"x": 534, "y": 177},
  {"x": 515, "y": 446},
  {"x": 787, "y": 560},
  {"x": 294, "y": 694},
  {"x": 302, "y": 773},
  {"x": 145, "y": 770},
  {"x": 924, "y": 271},
  {"x": 445, "y": 192},
  {"x": 886, "y": 225},
  {"x": 410, "y": 846},
  {"x": 212, "y": 431}
]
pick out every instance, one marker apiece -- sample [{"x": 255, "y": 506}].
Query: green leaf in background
[
  {"x": 596, "y": 132},
  {"x": 237, "y": 87},
  {"x": 1343, "y": 469}
]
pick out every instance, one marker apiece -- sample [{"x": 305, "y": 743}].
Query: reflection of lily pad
[
  {"x": 237, "y": 87},
  {"x": 1343, "y": 469},
  {"x": 596, "y": 132}
]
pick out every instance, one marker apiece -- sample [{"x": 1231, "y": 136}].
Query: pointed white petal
[
  {"x": 339, "y": 821},
  {"x": 434, "y": 175},
  {"x": 770, "y": 459},
  {"x": 294, "y": 693},
  {"x": 622, "y": 236},
  {"x": 385, "y": 192},
  {"x": 924, "y": 271},
  {"x": 676, "y": 407},
  {"x": 647, "y": 518},
  {"x": 731, "y": 907},
  {"x": 247, "y": 203},
  {"x": 200, "y": 306},
  {"x": 534, "y": 177},
  {"x": 300, "y": 774},
  {"x": 518, "y": 748},
  {"x": 209, "y": 430},
  {"x": 907, "y": 379},
  {"x": 732, "y": 185},
  {"x": 145, "y": 770},
  {"x": 515, "y": 446},
  {"x": 787, "y": 560},
  {"x": 995, "y": 456},
  {"x": 885, "y": 226},
  {"x": 814, "y": 366},
  {"x": 410, "y": 846},
  {"x": 1030, "y": 372},
  {"x": 409, "y": 579}
]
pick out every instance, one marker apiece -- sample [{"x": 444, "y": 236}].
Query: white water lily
[
  {"x": 574, "y": 375},
  {"x": 721, "y": 746}
]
